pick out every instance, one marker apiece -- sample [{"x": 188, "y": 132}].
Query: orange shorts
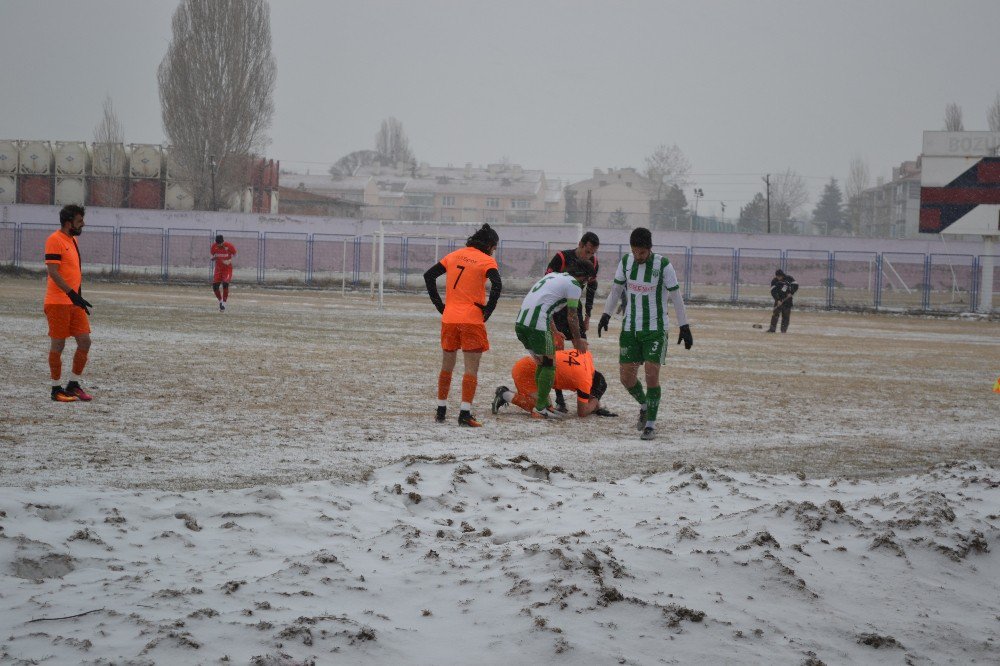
[
  {"x": 467, "y": 337},
  {"x": 523, "y": 373},
  {"x": 66, "y": 321}
]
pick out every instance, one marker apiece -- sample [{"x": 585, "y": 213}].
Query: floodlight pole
[
  {"x": 214, "y": 167},
  {"x": 767, "y": 189}
]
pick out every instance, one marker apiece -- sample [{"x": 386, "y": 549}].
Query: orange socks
[
  {"x": 525, "y": 402},
  {"x": 444, "y": 385},
  {"x": 55, "y": 365},
  {"x": 469, "y": 383},
  {"x": 79, "y": 362}
]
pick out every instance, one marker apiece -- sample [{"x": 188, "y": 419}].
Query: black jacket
[{"x": 782, "y": 287}]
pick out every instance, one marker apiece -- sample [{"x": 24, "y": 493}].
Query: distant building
[
  {"x": 892, "y": 209},
  {"x": 498, "y": 193},
  {"x": 298, "y": 201},
  {"x": 618, "y": 198}
]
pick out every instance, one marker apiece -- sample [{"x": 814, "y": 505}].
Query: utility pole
[
  {"x": 214, "y": 167},
  {"x": 698, "y": 194},
  {"x": 767, "y": 183},
  {"x": 590, "y": 208}
]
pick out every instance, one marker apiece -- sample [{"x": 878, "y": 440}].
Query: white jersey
[
  {"x": 549, "y": 295},
  {"x": 645, "y": 286}
]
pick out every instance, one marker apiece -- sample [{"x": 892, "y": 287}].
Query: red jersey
[{"x": 223, "y": 252}]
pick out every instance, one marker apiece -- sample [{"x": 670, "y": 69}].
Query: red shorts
[
  {"x": 467, "y": 337},
  {"x": 66, "y": 321},
  {"x": 223, "y": 273}
]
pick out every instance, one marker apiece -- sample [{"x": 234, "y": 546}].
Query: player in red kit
[{"x": 222, "y": 254}]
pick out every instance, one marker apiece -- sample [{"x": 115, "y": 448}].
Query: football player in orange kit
[
  {"x": 222, "y": 254},
  {"x": 464, "y": 316},
  {"x": 64, "y": 306},
  {"x": 574, "y": 372}
]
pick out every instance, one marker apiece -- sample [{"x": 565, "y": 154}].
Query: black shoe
[
  {"x": 60, "y": 395},
  {"x": 641, "y": 421},
  {"x": 439, "y": 417},
  {"x": 468, "y": 420},
  {"x": 649, "y": 432},
  {"x": 770, "y": 330},
  {"x": 498, "y": 400},
  {"x": 561, "y": 403}
]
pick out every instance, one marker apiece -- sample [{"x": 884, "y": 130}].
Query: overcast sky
[{"x": 742, "y": 87}]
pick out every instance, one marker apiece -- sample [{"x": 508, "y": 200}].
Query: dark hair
[
  {"x": 218, "y": 238},
  {"x": 641, "y": 237},
  {"x": 580, "y": 269},
  {"x": 779, "y": 273},
  {"x": 69, "y": 213},
  {"x": 590, "y": 238},
  {"x": 599, "y": 385},
  {"x": 485, "y": 239}
]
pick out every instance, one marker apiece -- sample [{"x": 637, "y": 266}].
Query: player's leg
[
  {"x": 629, "y": 358},
  {"x": 58, "y": 317},
  {"x": 654, "y": 350},
  {"x": 73, "y": 387},
  {"x": 216, "y": 283},
  {"x": 470, "y": 380},
  {"x": 774, "y": 319},
  {"x": 786, "y": 316},
  {"x": 225, "y": 294}
]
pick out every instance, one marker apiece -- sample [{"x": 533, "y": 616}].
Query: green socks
[
  {"x": 637, "y": 393},
  {"x": 652, "y": 403},
  {"x": 545, "y": 377}
]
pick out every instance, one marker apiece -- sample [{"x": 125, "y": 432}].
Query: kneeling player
[{"x": 574, "y": 372}]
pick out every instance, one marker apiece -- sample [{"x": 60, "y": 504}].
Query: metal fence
[{"x": 896, "y": 281}]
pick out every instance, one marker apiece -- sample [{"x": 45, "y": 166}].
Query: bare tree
[
  {"x": 216, "y": 91},
  {"x": 993, "y": 114},
  {"x": 109, "y": 139},
  {"x": 788, "y": 195},
  {"x": 667, "y": 166},
  {"x": 858, "y": 180},
  {"x": 953, "y": 118},
  {"x": 392, "y": 145},
  {"x": 348, "y": 164}
]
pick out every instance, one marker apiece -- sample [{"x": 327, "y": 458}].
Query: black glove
[
  {"x": 79, "y": 301},
  {"x": 685, "y": 337},
  {"x": 600, "y": 411},
  {"x": 486, "y": 313},
  {"x": 605, "y": 320}
]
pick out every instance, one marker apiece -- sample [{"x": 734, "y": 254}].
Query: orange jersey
[
  {"x": 465, "y": 291},
  {"x": 61, "y": 250},
  {"x": 574, "y": 372}
]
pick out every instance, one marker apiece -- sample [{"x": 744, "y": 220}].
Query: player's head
[
  {"x": 641, "y": 242},
  {"x": 588, "y": 245},
  {"x": 779, "y": 273},
  {"x": 581, "y": 270},
  {"x": 218, "y": 238},
  {"x": 71, "y": 219},
  {"x": 599, "y": 385},
  {"x": 485, "y": 239}
]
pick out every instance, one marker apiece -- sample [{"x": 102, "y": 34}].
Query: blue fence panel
[
  {"x": 713, "y": 271},
  {"x": 993, "y": 285},
  {"x": 332, "y": 258},
  {"x": 247, "y": 264},
  {"x": 419, "y": 254},
  {"x": 813, "y": 271},
  {"x": 31, "y": 252},
  {"x": 189, "y": 253},
  {"x": 285, "y": 255},
  {"x": 141, "y": 250},
  {"x": 854, "y": 279},
  {"x": 8, "y": 243},
  {"x": 754, "y": 272},
  {"x": 950, "y": 282},
  {"x": 903, "y": 281}
]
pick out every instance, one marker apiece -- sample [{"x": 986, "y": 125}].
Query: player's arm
[
  {"x": 617, "y": 289},
  {"x": 53, "y": 270},
  {"x": 496, "y": 286},
  {"x": 586, "y": 407},
  {"x": 579, "y": 343},
  {"x": 430, "y": 279}
]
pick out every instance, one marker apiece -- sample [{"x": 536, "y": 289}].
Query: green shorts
[
  {"x": 535, "y": 341},
  {"x": 642, "y": 347}
]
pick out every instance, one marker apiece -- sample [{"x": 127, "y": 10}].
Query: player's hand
[
  {"x": 601, "y": 411},
  {"x": 558, "y": 340},
  {"x": 603, "y": 324},
  {"x": 685, "y": 336},
  {"x": 580, "y": 344},
  {"x": 486, "y": 314},
  {"x": 79, "y": 301},
  {"x": 227, "y": 262},
  {"x": 440, "y": 307}
]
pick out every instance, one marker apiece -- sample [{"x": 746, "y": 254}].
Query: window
[
  {"x": 447, "y": 201},
  {"x": 492, "y": 203},
  {"x": 523, "y": 204}
]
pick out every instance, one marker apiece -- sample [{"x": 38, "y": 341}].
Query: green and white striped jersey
[
  {"x": 645, "y": 289},
  {"x": 549, "y": 295}
]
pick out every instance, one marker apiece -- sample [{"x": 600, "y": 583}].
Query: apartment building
[
  {"x": 892, "y": 209},
  {"x": 498, "y": 193},
  {"x": 618, "y": 197}
]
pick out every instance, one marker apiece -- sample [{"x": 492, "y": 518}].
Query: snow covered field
[{"x": 267, "y": 486}]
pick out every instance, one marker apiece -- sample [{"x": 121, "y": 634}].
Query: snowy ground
[{"x": 266, "y": 486}]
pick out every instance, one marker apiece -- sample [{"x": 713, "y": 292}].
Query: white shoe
[
  {"x": 222, "y": 306},
  {"x": 547, "y": 413}
]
